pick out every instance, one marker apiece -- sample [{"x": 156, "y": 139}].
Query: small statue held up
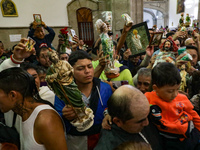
[
  {"x": 184, "y": 77},
  {"x": 188, "y": 21},
  {"x": 181, "y": 20},
  {"x": 60, "y": 78},
  {"x": 107, "y": 46}
]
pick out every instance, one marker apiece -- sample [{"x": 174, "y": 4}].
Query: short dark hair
[
  {"x": 28, "y": 65},
  {"x": 169, "y": 34},
  {"x": 76, "y": 55},
  {"x": 60, "y": 53},
  {"x": 192, "y": 47},
  {"x": 41, "y": 70},
  {"x": 165, "y": 74},
  {"x": 19, "y": 80},
  {"x": 119, "y": 106},
  {"x": 30, "y": 25},
  {"x": 110, "y": 33},
  {"x": 38, "y": 51}
]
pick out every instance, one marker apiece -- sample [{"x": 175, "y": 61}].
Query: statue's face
[
  {"x": 167, "y": 44},
  {"x": 54, "y": 57}
]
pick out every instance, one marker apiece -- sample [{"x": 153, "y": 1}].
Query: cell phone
[{"x": 73, "y": 32}]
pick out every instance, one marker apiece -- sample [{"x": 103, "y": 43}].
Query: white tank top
[{"x": 28, "y": 129}]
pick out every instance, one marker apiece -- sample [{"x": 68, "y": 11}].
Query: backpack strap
[{"x": 14, "y": 119}]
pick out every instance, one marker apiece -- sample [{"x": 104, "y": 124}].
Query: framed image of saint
[
  {"x": 37, "y": 18},
  {"x": 137, "y": 39},
  {"x": 180, "y": 6},
  {"x": 155, "y": 39},
  {"x": 8, "y": 8}
]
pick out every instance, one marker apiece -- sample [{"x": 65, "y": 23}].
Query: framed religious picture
[
  {"x": 8, "y": 8},
  {"x": 29, "y": 44},
  {"x": 180, "y": 6},
  {"x": 37, "y": 18},
  {"x": 137, "y": 39},
  {"x": 155, "y": 39}
]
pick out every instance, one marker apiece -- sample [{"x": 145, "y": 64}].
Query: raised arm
[
  {"x": 123, "y": 37},
  {"x": 32, "y": 30},
  {"x": 51, "y": 34},
  {"x": 147, "y": 58},
  {"x": 18, "y": 56},
  {"x": 101, "y": 65}
]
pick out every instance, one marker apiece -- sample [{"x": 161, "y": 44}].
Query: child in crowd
[
  {"x": 172, "y": 112},
  {"x": 37, "y": 33},
  {"x": 42, "y": 72}
]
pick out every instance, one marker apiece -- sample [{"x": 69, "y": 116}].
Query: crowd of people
[{"x": 153, "y": 102}]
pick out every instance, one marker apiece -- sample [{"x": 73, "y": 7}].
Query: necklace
[{"x": 143, "y": 137}]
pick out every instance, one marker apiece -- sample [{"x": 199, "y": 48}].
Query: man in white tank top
[{"x": 42, "y": 127}]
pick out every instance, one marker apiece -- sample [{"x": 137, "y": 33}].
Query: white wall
[
  {"x": 53, "y": 13},
  {"x": 173, "y": 17},
  {"x": 147, "y": 16}
]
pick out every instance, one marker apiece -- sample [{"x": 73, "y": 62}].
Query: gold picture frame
[
  {"x": 155, "y": 39},
  {"x": 180, "y": 6},
  {"x": 37, "y": 18},
  {"x": 8, "y": 8}
]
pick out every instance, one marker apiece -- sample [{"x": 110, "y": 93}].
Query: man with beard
[{"x": 167, "y": 46}]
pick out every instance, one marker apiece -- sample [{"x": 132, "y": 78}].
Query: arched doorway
[
  {"x": 160, "y": 9},
  {"x": 153, "y": 17},
  {"x": 85, "y": 25}
]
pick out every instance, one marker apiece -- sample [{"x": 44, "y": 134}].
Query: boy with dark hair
[
  {"x": 172, "y": 112},
  {"x": 76, "y": 55},
  {"x": 95, "y": 95},
  {"x": 37, "y": 33}
]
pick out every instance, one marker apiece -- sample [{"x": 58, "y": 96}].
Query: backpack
[{"x": 9, "y": 134}]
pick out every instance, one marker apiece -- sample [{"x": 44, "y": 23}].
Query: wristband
[
  {"x": 105, "y": 112},
  {"x": 16, "y": 61}
]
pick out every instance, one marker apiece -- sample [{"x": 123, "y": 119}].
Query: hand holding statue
[
  {"x": 52, "y": 77},
  {"x": 60, "y": 79}
]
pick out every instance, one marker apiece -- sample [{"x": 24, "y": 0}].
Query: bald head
[
  {"x": 126, "y": 102},
  {"x": 190, "y": 42}
]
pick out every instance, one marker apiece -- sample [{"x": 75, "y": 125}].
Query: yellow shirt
[{"x": 125, "y": 75}]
